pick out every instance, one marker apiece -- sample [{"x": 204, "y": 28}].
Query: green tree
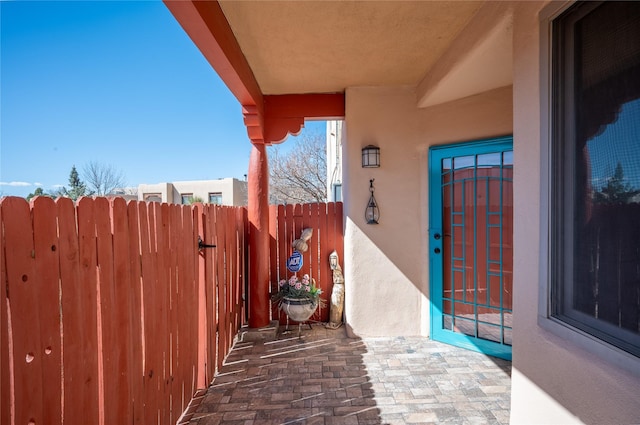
[
  {"x": 194, "y": 200},
  {"x": 77, "y": 188},
  {"x": 616, "y": 191},
  {"x": 38, "y": 192}
]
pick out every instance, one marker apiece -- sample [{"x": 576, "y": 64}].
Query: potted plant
[{"x": 298, "y": 298}]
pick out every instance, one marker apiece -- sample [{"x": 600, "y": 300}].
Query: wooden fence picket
[
  {"x": 74, "y": 387},
  {"x": 152, "y": 347},
  {"x": 240, "y": 224},
  {"x": 24, "y": 320},
  {"x": 88, "y": 298},
  {"x": 208, "y": 236},
  {"x": 163, "y": 227},
  {"x": 107, "y": 340},
  {"x": 134, "y": 288},
  {"x": 47, "y": 265},
  {"x": 273, "y": 250},
  {"x": 327, "y": 242},
  {"x": 220, "y": 289},
  {"x": 121, "y": 317},
  {"x": 174, "y": 313},
  {"x": 6, "y": 395},
  {"x": 191, "y": 354},
  {"x": 201, "y": 303}
]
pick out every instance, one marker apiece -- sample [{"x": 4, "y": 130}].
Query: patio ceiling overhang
[
  {"x": 269, "y": 118},
  {"x": 289, "y": 61}
]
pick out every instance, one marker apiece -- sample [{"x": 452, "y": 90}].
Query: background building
[
  {"x": 227, "y": 191},
  {"x": 334, "y": 160}
]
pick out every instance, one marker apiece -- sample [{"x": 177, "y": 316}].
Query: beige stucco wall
[
  {"x": 234, "y": 191},
  {"x": 559, "y": 375},
  {"x": 164, "y": 189},
  {"x": 386, "y": 265}
]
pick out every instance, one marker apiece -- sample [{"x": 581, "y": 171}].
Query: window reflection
[
  {"x": 489, "y": 159},
  {"x": 614, "y": 159}
]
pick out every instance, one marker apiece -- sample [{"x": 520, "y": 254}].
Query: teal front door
[{"x": 470, "y": 244}]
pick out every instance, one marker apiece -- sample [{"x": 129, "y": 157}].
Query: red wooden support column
[{"x": 258, "y": 209}]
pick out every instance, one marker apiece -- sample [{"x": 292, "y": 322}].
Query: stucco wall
[
  {"x": 234, "y": 192},
  {"x": 559, "y": 375},
  {"x": 386, "y": 265},
  {"x": 164, "y": 189},
  {"x": 230, "y": 189}
]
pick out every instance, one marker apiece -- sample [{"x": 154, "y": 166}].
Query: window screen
[{"x": 596, "y": 171}]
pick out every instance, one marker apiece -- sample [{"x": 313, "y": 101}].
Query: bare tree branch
[
  {"x": 299, "y": 175},
  {"x": 102, "y": 179}
]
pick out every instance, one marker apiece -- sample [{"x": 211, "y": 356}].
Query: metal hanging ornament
[{"x": 372, "y": 213}]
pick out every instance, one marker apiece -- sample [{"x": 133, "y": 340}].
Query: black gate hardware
[{"x": 202, "y": 245}]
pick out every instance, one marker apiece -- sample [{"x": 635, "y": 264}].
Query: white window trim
[{"x": 589, "y": 343}]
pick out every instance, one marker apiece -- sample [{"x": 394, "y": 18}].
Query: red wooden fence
[
  {"x": 110, "y": 314},
  {"x": 286, "y": 225}
]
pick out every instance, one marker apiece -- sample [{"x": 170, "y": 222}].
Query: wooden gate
[{"x": 109, "y": 311}]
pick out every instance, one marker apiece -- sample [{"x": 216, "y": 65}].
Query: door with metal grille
[{"x": 471, "y": 233}]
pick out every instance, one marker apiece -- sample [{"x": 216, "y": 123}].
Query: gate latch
[{"x": 202, "y": 245}]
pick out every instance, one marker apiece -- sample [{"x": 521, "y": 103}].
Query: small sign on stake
[{"x": 294, "y": 263}]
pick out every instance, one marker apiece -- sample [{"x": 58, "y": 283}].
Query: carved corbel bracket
[
  {"x": 254, "y": 122},
  {"x": 281, "y": 115},
  {"x": 277, "y": 129},
  {"x": 269, "y": 130}
]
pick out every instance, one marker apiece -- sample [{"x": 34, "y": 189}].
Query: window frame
[
  {"x": 216, "y": 194},
  {"x": 337, "y": 192},
  {"x": 146, "y": 196},
  {"x": 182, "y": 196},
  {"x": 549, "y": 202}
]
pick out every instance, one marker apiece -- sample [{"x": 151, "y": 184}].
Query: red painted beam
[
  {"x": 207, "y": 26},
  {"x": 269, "y": 118},
  {"x": 285, "y": 114},
  {"x": 317, "y": 105}
]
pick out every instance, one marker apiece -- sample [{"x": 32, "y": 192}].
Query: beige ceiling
[{"x": 327, "y": 46}]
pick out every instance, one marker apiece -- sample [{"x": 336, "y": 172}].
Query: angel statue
[{"x": 337, "y": 295}]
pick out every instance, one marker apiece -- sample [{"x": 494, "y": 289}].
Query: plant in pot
[{"x": 298, "y": 298}]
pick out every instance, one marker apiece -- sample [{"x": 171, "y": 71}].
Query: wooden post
[{"x": 258, "y": 212}]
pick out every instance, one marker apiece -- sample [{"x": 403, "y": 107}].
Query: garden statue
[{"x": 337, "y": 295}]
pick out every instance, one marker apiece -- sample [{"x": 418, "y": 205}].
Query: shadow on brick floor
[{"x": 324, "y": 377}]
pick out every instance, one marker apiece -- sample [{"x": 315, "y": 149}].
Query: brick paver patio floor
[{"x": 324, "y": 377}]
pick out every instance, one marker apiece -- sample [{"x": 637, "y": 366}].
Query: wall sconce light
[
  {"x": 372, "y": 213},
  {"x": 370, "y": 156}
]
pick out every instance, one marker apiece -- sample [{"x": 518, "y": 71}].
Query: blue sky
[
  {"x": 115, "y": 82},
  {"x": 617, "y": 143}
]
